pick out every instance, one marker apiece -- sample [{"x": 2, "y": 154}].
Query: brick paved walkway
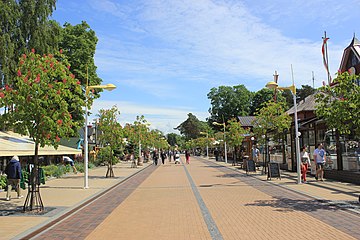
[
  {"x": 164, "y": 202},
  {"x": 265, "y": 207}
]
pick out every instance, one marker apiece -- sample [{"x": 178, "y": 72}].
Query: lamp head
[
  {"x": 109, "y": 87},
  {"x": 219, "y": 124},
  {"x": 272, "y": 85}
]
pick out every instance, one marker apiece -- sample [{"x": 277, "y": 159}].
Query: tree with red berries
[{"x": 39, "y": 100}]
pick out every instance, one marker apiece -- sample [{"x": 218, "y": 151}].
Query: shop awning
[{"x": 14, "y": 144}]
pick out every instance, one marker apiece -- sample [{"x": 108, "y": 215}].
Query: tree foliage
[
  {"x": 111, "y": 130},
  {"x": 9, "y": 55},
  {"x": 172, "y": 139},
  {"x": 40, "y": 99},
  {"x": 37, "y": 32},
  {"x": 191, "y": 127},
  {"x": 229, "y": 102},
  {"x": 236, "y": 133},
  {"x": 339, "y": 104},
  {"x": 263, "y": 96},
  {"x": 301, "y": 94},
  {"x": 111, "y": 137},
  {"x": 272, "y": 117},
  {"x": 138, "y": 133},
  {"x": 79, "y": 44},
  {"x": 304, "y": 91},
  {"x": 24, "y": 25}
]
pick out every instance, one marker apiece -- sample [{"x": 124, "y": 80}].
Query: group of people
[
  {"x": 175, "y": 155},
  {"x": 319, "y": 159},
  {"x": 319, "y": 156}
]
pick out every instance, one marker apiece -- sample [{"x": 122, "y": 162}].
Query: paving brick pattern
[
  {"x": 158, "y": 203},
  {"x": 163, "y": 207},
  {"x": 265, "y": 207},
  {"x": 80, "y": 224}
]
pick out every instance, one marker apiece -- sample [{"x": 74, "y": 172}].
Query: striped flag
[{"x": 324, "y": 53}]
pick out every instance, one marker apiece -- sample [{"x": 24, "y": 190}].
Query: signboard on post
[{"x": 273, "y": 171}]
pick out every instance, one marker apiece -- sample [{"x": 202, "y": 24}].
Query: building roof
[
  {"x": 14, "y": 144},
  {"x": 352, "y": 50},
  {"x": 308, "y": 104},
  {"x": 247, "y": 121}
]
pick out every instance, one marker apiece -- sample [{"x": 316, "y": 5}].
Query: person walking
[
  {"x": 255, "y": 154},
  {"x": 187, "y": 156},
  {"x": 320, "y": 159},
  {"x": 170, "y": 154},
  {"x": 216, "y": 153},
  {"x": 13, "y": 173},
  {"x": 177, "y": 156},
  {"x": 155, "y": 156},
  {"x": 163, "y": 156},
  {"x": 305, "y": 163}
]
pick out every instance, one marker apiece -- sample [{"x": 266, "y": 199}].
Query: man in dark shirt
[{"x": 13, "y": 172}]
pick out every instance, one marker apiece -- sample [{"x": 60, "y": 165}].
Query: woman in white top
[{"x": 305, "y": 163}]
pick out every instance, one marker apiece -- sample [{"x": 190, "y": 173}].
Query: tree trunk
[
  {"x": 110, "y": 171},
  {"x": 338, "y": 151},
  {"x": 33, "y": 201}
]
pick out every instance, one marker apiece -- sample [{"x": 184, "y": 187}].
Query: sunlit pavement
[{"x": 202, "y": 200}]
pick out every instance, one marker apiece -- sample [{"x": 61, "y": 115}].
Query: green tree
[
  {"x": 158, "y": 139},
  {"x": 37, "y": 31},
  {"x": 111, "y": 135},
  {"x": 79, "y": 44},
  {"x": 235, "y": 135},
  {"x": 272, "y": 118},
  {"x": 339, "y": 106},
  {"x": 261, "y": 97},
  {"x": 40, "y": 107},
  {"x": 304, "y": 91},
  {"x": 172, "y": 139},
  {"x": 138, "y": 136},
  {"x": 191, "y": 127},
  {"x": 229, "y": 102},
  {"x": 301, "y": 94},
  {"x": 9, "y": 15},
  {"x": 24, "y": 25}
]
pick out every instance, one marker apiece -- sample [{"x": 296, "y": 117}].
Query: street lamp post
[
  {"x": 292, "y": 88},
  {"x": 108, "y": 87},
  {"x": 207, "y": 143},
  {"x": 223, "y": 124}
]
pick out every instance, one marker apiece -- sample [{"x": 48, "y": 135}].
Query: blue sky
[{"x": 164, "y": 56}]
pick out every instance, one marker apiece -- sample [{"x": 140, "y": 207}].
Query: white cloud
[
  {"x": 212, "y": 38},
  {"x": 163, "y": 118},
  {"x": 160, "y": 46}
]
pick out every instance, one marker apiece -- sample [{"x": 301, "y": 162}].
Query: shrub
[
  {"x": 55, "y": 170},
  {"x": 80, "y": 167},
  {"x": 3, "y": 182}
]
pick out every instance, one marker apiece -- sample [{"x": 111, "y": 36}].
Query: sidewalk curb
[{"x": 62, "y": 215}]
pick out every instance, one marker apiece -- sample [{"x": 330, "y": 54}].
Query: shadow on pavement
[{"x": 289, "y": 205}]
